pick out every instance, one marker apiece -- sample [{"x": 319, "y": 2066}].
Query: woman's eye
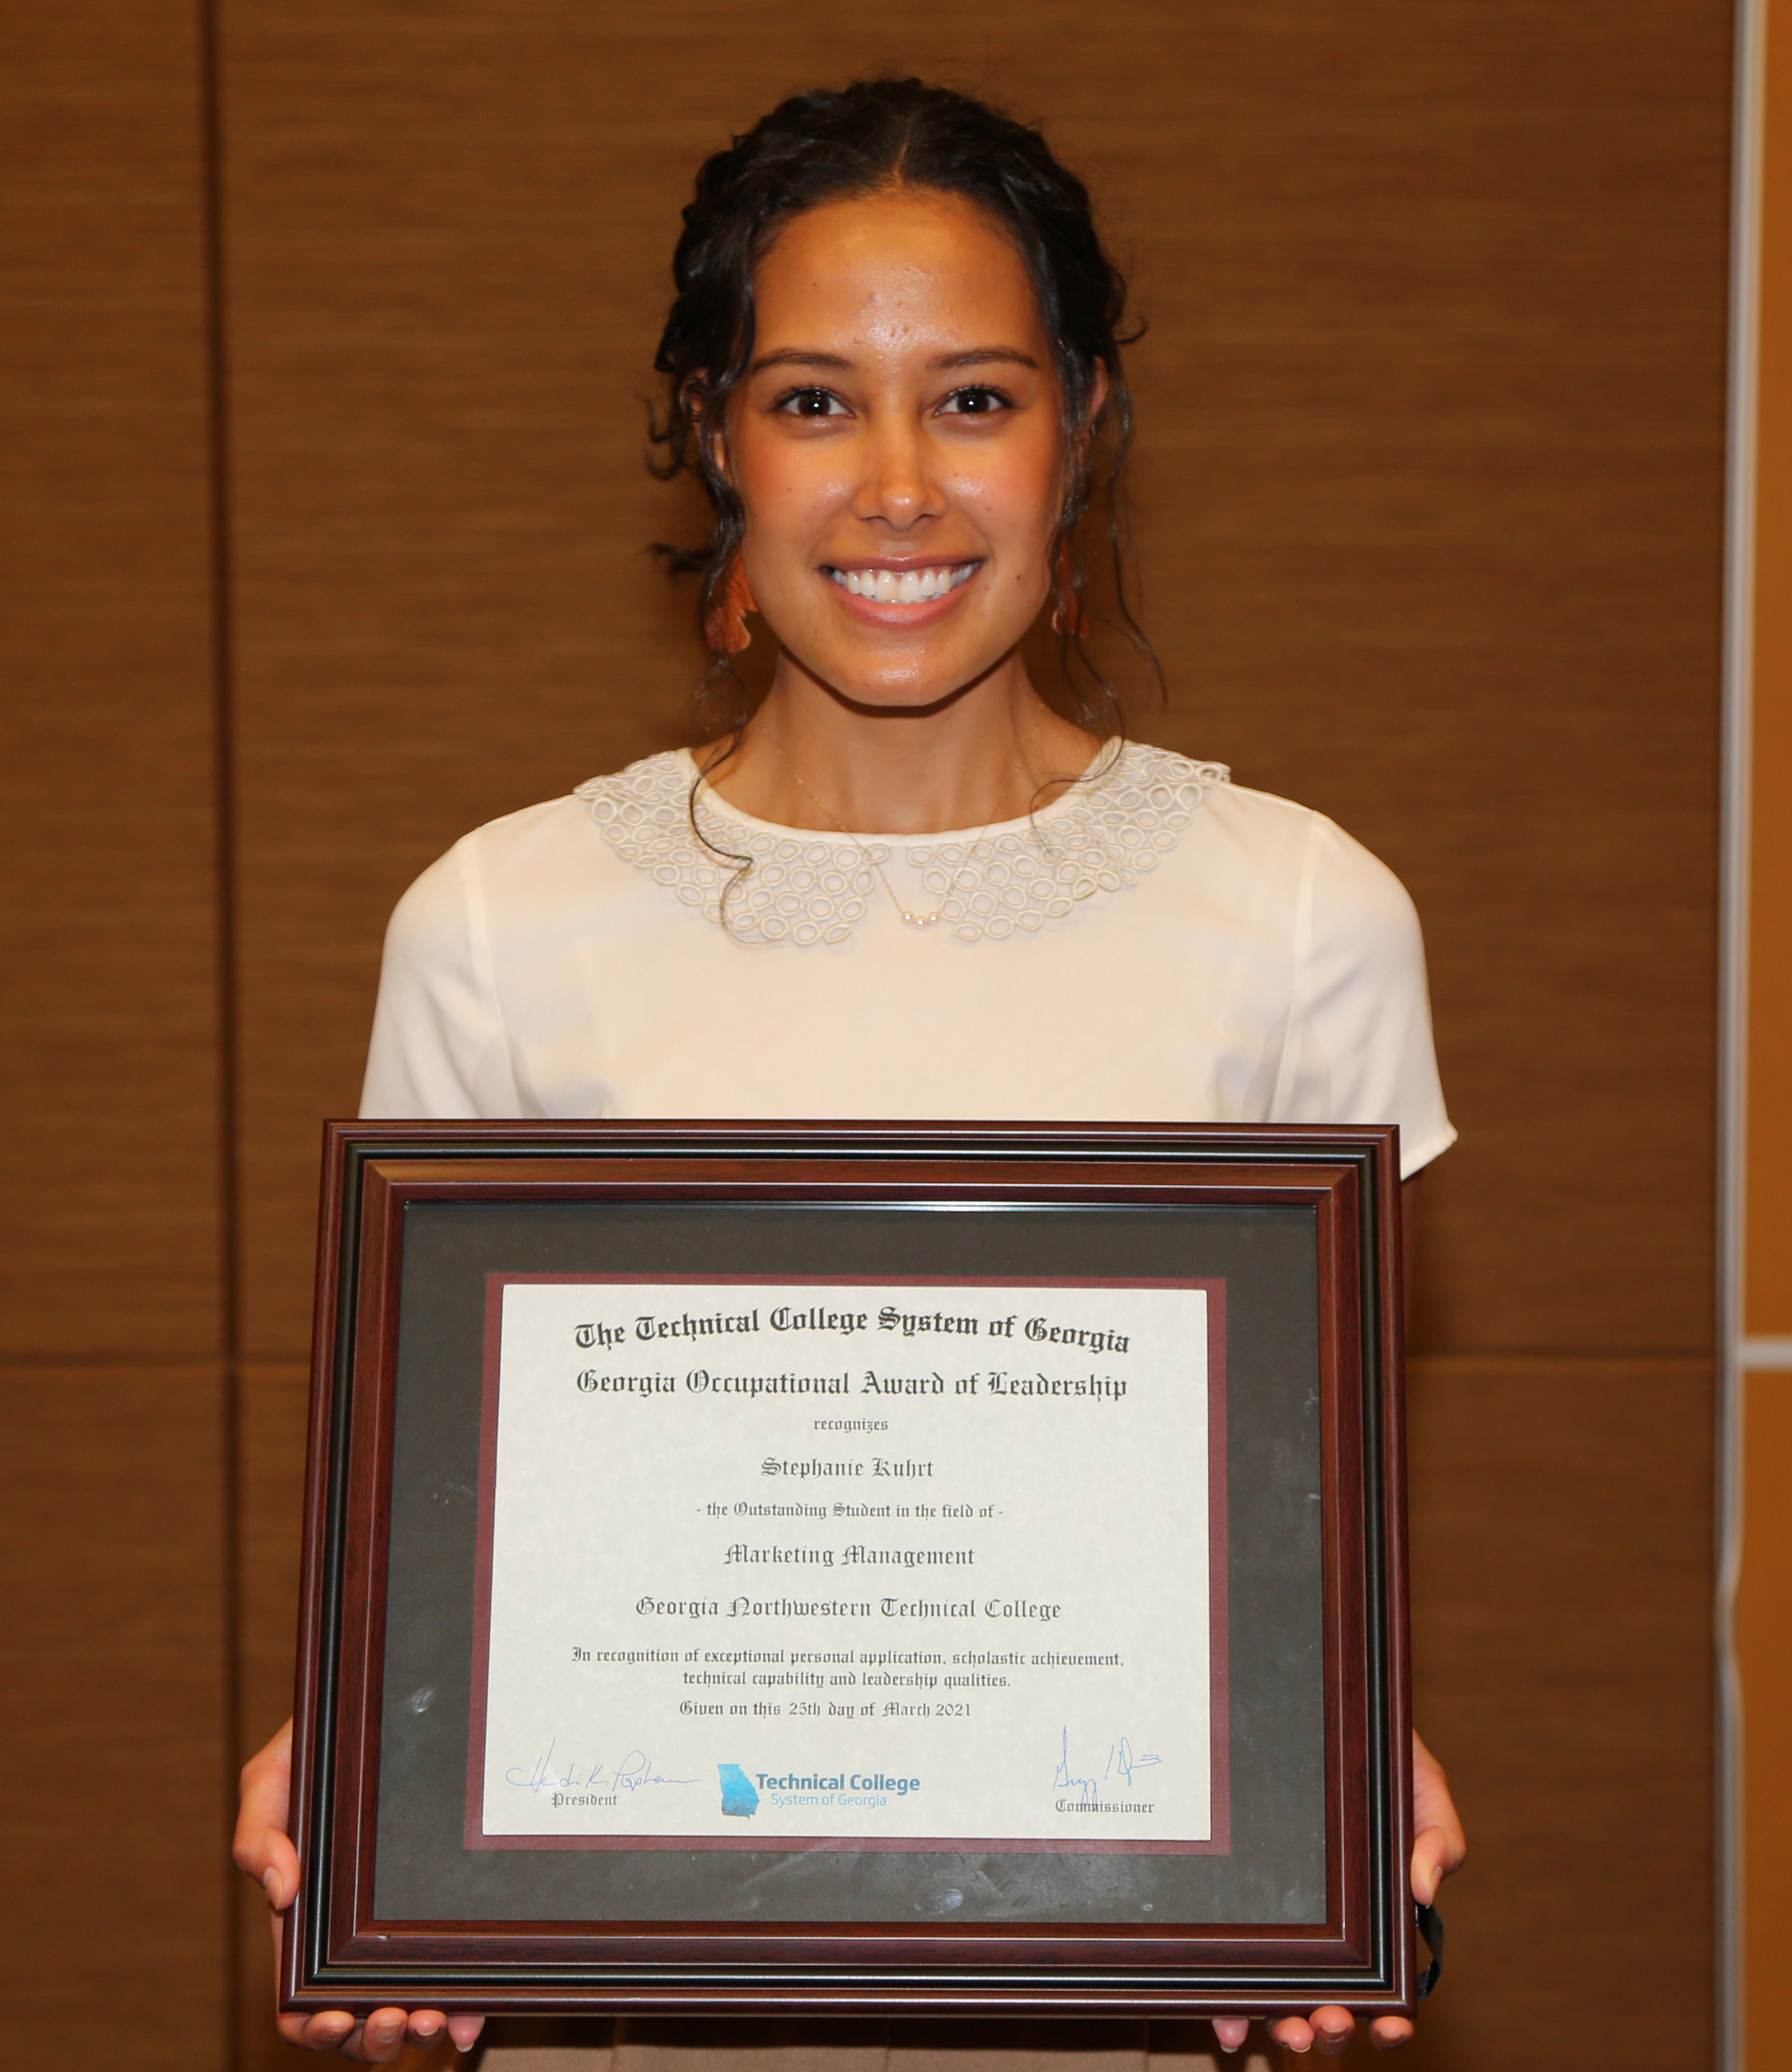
[
  {"x": 812, "y": 403},
  {"x": 976, "y": 402}
]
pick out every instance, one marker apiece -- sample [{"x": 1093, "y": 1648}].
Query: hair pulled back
[{"x": 867, "y": 137}]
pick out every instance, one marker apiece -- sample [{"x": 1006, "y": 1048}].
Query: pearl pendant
[{"x": 919, "y": 920}]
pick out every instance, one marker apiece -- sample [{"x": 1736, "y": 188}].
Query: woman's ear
[{"x": 1098, "y": 386}]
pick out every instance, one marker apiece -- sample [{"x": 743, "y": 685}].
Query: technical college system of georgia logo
[{"x": 738, "y": 1795}]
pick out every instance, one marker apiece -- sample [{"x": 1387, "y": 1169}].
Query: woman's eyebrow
[
  {"x": 975, "y": 355},
  {"x": 799, "y": 356},
  {"x": 983, "y": 356}
]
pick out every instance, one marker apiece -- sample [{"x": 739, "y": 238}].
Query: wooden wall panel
[
  {"x": 108, "y": 919},
  {"x": 114, "y": 1757},
  {"x": 1765, "y": 1656},
  {"x": 271, "y": 1493},
  {"x": 1562, "y": 1623},
  {"x": 1432, "y": 475},
  {"x": 114, "y": 1749}
]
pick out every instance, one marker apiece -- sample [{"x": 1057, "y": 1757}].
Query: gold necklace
[{"x": 909, "y": 919}]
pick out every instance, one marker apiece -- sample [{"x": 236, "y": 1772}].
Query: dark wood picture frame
[{"x": 339, "y": 1953}]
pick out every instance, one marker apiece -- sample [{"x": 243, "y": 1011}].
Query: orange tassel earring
[
  {"x": 725, "y": 627},
  {"x": 1069, "y": 613}
]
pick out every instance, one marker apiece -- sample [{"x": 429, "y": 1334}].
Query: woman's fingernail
[{"x": 270, "y": 1884}]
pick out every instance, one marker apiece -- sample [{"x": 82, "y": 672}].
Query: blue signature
[
  {"x": 1122, "y": 1760},
  {"x": 630, "y": 1774}
]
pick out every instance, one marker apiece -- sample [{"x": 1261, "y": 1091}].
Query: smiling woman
[
  {"x": 901, "y": 883},
  {"x": 915, "y": 279}
]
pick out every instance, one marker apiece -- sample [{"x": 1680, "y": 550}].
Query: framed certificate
[{"x": 872, "y": 1568}]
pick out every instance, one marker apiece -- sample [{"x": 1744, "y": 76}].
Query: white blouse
[{"x": 1158, "y": 944}]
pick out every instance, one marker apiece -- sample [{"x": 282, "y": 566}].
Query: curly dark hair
[{"x": 873, "y": 135}]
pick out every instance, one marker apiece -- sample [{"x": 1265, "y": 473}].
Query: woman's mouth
[{"x": 917, "y": 586}]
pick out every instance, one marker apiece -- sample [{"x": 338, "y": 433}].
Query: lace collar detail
[{"x": 801, "y": 886}]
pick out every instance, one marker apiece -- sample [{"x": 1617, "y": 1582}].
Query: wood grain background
[{"x": 325, "y": 541}]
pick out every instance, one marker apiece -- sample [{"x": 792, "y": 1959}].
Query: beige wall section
[
  {"x": 1768, "y": 1279},
  {"x": 1764, "y": 1630},
  {"x": 1764, "y": 1648},
  {"x": 113, "y": 1475}
]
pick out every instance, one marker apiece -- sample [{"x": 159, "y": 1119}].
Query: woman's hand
[
  {"x": 1438, "y": 1848},
  {"x": 263, "y": 1849}
]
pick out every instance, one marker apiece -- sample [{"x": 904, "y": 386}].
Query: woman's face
[{"x": 898, "y": 446}]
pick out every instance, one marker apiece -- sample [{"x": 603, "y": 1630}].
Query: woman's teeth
[{"x": 913, "y": 586}]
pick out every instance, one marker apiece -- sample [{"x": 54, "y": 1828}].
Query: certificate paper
[{"x": 770, "y": 1564}]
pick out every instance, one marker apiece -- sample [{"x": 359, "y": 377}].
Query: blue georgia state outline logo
[{"x": 738, "y": 1796}]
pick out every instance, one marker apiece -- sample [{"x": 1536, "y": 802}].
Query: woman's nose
[{"x": 897, "y": 486}]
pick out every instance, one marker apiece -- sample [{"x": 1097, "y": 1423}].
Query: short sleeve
[
  {"x": 438, "y": 1051},
  {"x": 1358, "y": 1047}
]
